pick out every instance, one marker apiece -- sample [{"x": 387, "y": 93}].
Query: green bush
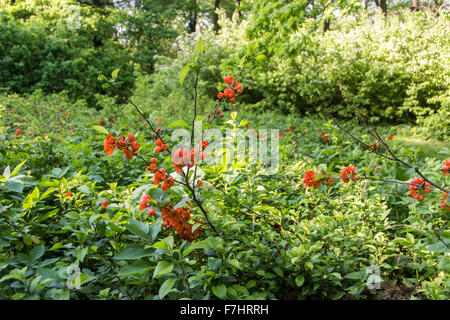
[
  {"x": 392, "y": 69},
  {"x": 33, "y": 58}
]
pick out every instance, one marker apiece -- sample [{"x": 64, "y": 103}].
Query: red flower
[
  {"x": 443, "y": 202},
  {"x": 229, "y": 93},
  {"x": 416, "y": 191},
  {"x": 390, "y": 137},
  {"x": 131, "y": 138},
  {"x": 144, "y": 202},
  {"x": 158, "y": 142},
  {"x": 105, "y": 204},
  {"x": 204, "y": 144},
  {"x": 68, "y": 194},
  {"x": 178, "y": 219},
  {"x": 128, "y": 153},
  {"x": 151, "y": 212},
  {"x": 349, "y": 172},
  {"x": 135, "y": 146},
  {"x": 446, "y": 168},
  {"x": 309, "y": 177},
  {"x": 109, "y": 144},
  {"x": 18, "y": 132},
  {"x": 228, "y": 79}
]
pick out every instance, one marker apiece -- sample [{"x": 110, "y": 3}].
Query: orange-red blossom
[{"x": 128, "y": 145}]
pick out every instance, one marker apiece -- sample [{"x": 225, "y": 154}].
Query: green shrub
[{"x": 33, "y": 58}]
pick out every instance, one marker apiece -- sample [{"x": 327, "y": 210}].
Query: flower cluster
[
  {"x": 128, "y": 145},
  {"x": 229, "y": 92},
  {"x": 416, "y": 191},
  {"x": 446, "y": 168},
  {"x": 309, "y": 179},
  {"x": 179, "y": 220},
  {"x": 443, "y": 202},
  {"x": 161, "y": 175},
  {"x": 184, "y": 157},
  {"x": 144, "y": 202},
  {"x": 153, "y": 166},
  {"x": 349, "y": 173},
  {"x": 160, "y": 146}
]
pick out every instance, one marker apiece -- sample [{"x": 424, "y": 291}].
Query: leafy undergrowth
[{"x": 356, "y": 240}]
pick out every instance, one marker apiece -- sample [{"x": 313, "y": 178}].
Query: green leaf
[
  {"x": 36, "y": 253},
  {"x": 17, "y": 168},
  {"x": 189, "y": 247},
  {"x": 199, "y": 46},
  {"x": 353, "y": 275},
  {"x": 166, "y": 287},
  {"x": 299, "y": 280},
  {"x": 14, "y": 186},
  {"x": 154, "y": 230},
  {"x": 102, "y": 78},
  {"x": 220, "y": 291},
  {"x": 235, "y": 263},
  {"x": 138, "y": 228},
  {"x": 136, "y": 267},
  {"x": 84, "y": 189},
  {"x": 184, "y": 72},
  {"x": 133, "y": 252},
  {"x": 101, "y": 129},
  {"x": 7, "y": 172},
  {"x": 261, "y": 57},
  {"x": 35, "y": 194},
  {"x": 178, "y": 123},
  {"x": 162, "y": 268},
  {"x": 114, "y": 73},
  {"x": 31, "y": 199}
]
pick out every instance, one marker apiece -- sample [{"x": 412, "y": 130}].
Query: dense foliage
[
  {"x": 104, "y": 203},
  {"x": 54, "y": 216}
]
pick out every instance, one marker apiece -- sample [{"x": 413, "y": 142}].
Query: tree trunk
[
  {"x": 414, "y": 5},
  {"x": 383, "y": 5},
  {"x": 216, "y": 16},
  {"x": 238, "y": 8},
  {"x": 192, "y": 21},
  {"x": 326, "y": 25}
]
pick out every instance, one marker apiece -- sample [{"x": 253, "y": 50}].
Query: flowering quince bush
[{"x": 144, "y": 218}]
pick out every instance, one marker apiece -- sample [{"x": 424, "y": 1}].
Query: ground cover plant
[{"x": 151, "y": 195}]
